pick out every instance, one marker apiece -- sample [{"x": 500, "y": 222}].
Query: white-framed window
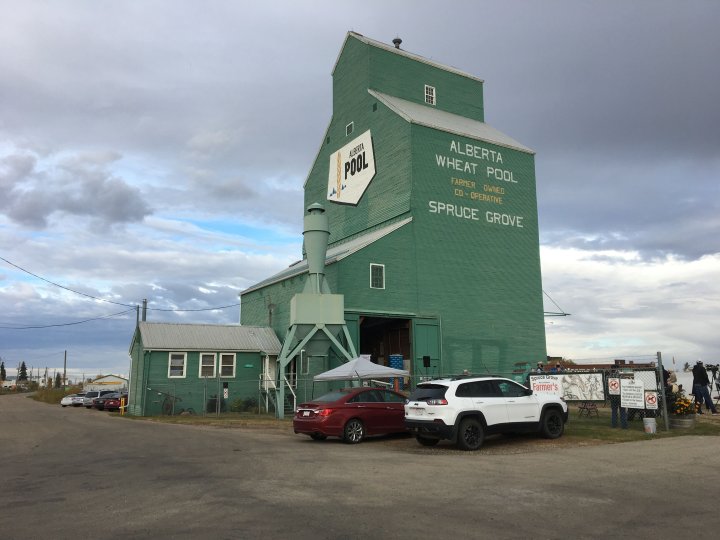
[
  {"x": 177, "y": 365},
  {"x": 377, "y": 276},
  {"x": 207, "y": 365},
  {"x": 349, "y": 128},
  {"x": 429, "y": 95},
  {"x": 227, "y": 365}
]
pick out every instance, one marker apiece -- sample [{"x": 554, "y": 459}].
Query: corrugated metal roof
[
  {"x": 208, "y": 337},
  {"x": 334, "y": 254},
  {"x": 401, "y": 52},
  {"x": 452, "y": 123}
]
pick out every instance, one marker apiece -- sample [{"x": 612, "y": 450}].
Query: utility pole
[{"x": 64, "y": 371}]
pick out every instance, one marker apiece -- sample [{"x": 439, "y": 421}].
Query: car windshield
[
  {"x": 428, "y": 391},
  {"x": 91, "y": 394}
]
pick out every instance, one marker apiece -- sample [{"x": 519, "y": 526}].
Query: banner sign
[
  {"x": 570, "y": 386},
  {"x": 351, "y": 170}
]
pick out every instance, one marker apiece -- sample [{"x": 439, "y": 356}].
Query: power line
[
  {"x": 133, "y": 306},
  {"x": 68, "y": 324}
]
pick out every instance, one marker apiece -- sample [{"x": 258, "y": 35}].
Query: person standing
[
  {"x": 616, "y": 409},
  {"x": 701, "y": 384}
]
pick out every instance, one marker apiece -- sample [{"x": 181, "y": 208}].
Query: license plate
[
  {"x": 306, "y": 413},
  {"x": 416, "y": 411}
]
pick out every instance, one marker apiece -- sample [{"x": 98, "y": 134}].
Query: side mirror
[{"x": 528, "y": 392}]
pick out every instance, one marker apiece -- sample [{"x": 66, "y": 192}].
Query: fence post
[{"x": 662, "y": 390}]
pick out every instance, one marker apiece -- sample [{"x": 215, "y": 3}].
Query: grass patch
[
  {"x": 53, "y": 395},
  {"x": 225, "y": 420},
  {"x": 578, "y": 431},
  {"x": 598, "y": 428}
]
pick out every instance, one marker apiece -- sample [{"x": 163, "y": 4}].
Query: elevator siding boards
[{"x": 449, "y": 213}]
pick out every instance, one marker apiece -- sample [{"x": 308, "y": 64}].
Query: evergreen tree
[
  {"x": 3, "y": 375},
  {"x": 58, "y": 381},
  {"x": 22, "y": 375}
]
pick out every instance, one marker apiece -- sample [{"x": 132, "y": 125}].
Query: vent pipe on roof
[{"x": 397, "y": 41}]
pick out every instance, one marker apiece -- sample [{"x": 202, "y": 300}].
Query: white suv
[{"x": 464, "y": 410}]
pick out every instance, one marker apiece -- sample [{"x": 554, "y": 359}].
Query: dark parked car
[
  {"x": 99, "y": 402},
  {"x": 92, "y": 394},
  {"x": 112, "y": 402},
  {"x": 352, "y": 414}
]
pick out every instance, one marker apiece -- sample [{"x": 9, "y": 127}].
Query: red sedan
[
  {"x": 352, "y": 414},
  {"x": 113, "y": 403}
]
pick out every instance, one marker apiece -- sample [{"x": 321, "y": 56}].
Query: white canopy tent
[{"x": 360, "y": 368}]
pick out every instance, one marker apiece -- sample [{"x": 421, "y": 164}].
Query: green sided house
[
  {"x": 433, "y": 224},
  {"x": 178, "y": 367}
]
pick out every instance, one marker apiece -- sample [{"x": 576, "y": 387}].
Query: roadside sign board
[
  {"x": 632, "y": 394},
  {"x": 614, "y": 386},
  {"x": 651, "y": 400}
]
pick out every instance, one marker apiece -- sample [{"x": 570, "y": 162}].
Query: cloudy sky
[{"x": 157, "y": 149}]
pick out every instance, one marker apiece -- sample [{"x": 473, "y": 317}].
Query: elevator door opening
[{"x": 382, "y": 336}]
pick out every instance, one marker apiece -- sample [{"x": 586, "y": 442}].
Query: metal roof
[
  {"x": 334, "y": 254},
  {"x": 401, "y": 52},
  {"x": 444, "y": 121},
  {"x": 208, "y": 337}
]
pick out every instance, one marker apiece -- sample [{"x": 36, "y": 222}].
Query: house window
[
  {"x": 207, "y": 365},
  {"x": 349, "y": 128},
  {"x": 227, "y": 365},
  {"x": 177, "y": 363},
  {"x": 429, "y": 95},
  {"x": 377, "y": 276}
]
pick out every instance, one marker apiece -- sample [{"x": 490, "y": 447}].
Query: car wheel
[
  {"x": 354, "y": 431},
  {"x": 318, "y": 436},
  {"x": 470, "y": 434},
  {"x": 425, "y": 441},
  {"x": 552, "y": 425},
  {"x": 88, "y": 406},
  {"x": 64, "y": 405}
]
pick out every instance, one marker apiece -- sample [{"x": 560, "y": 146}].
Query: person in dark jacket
[
  {"x": 615, "y": 403},
  {"x": 701, "y": 389}
]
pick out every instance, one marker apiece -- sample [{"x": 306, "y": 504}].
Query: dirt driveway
[{"x": 70, "y": 472}]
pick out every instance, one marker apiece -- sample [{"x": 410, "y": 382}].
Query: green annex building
[
  {"x": 433, "y": 224},
  {"x": 185, "y": 367}
]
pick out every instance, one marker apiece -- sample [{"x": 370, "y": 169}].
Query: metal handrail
[{"x": 292, "y": 392}]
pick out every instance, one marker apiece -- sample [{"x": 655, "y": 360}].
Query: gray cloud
[
  {"x": 79, "y": 186},
  {"x": 158, "y": 149}
]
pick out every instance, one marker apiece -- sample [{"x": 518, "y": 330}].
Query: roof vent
[{"x": 397, "y": 41}]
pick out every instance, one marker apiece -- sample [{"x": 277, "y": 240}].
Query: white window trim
[
  {"x": 234, "y": 365},
  {"x": 184, "y": 375},
  {"x": 200, "y": 365},
  {"x": 349, "y": 128},
  {"x": 432, "y": 93},
  {"x": 383, "y": 276}
]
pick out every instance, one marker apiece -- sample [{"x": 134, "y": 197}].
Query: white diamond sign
[{"x": 351, "y": 170}]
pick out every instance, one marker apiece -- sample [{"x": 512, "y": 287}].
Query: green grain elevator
[{"x": 433, "y": 225}]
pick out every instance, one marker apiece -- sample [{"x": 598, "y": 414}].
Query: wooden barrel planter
[{"x": 682, "y": 422}]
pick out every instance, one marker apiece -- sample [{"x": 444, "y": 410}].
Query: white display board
[{"x": 570, "y": 386}]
